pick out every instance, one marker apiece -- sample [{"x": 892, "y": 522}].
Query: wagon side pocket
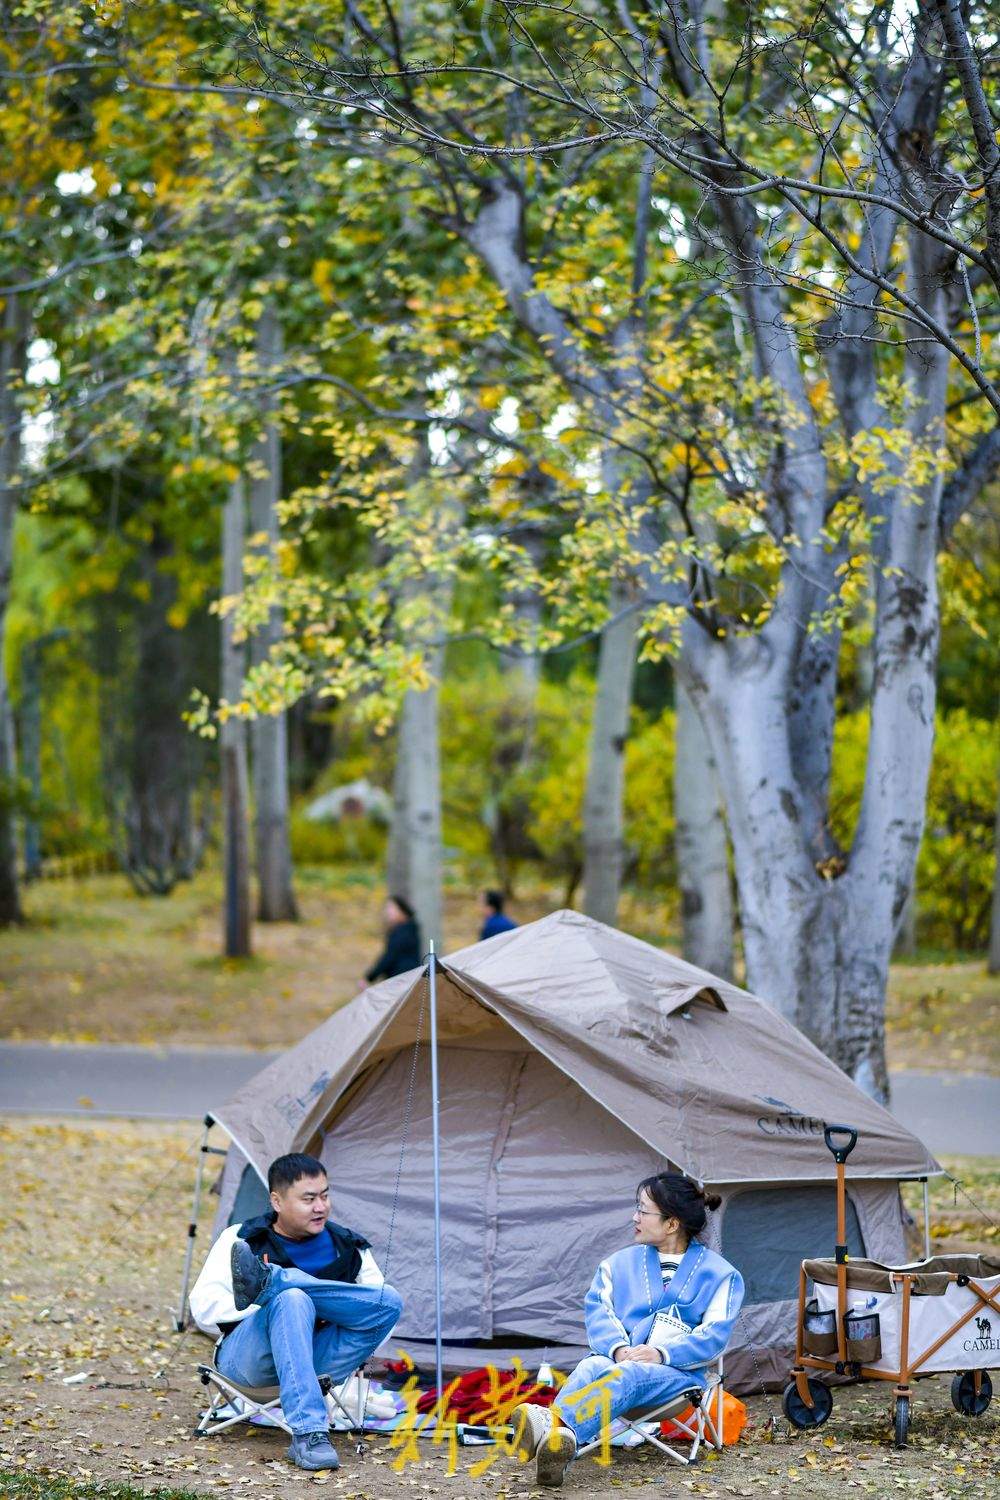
[
  {"x": 819, "y": 1335},
  {"x": 863, "y": 1332}
]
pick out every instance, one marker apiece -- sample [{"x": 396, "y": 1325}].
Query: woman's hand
[{"x": 639, "y": 1354}]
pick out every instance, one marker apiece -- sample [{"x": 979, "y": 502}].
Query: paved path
[
  {"x": 170, "y": 1083},
  {"x": 952, "y": 1112}
]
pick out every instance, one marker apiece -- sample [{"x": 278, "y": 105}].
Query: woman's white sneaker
[
  {"x": 532, "y": 1425},
  {"x": 554, "y": 1455}
]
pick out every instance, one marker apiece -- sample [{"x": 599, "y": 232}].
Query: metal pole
[
  {"x": 436, "y": 1145},
  {"x": 180, "y": 1318},
  {"x": 927, "y": 1220}
]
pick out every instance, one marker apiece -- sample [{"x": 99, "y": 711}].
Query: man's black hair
[
  {"x": 404, "y": 907},
  {"x": 286, "y": 1170},
  {"x": 494, "y": 899}
]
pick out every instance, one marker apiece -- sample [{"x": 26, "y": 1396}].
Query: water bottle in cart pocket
[{"x": 863, "y": 1331}]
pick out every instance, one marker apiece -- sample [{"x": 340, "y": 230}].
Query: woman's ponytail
[{"x": 677, "y": 1197}]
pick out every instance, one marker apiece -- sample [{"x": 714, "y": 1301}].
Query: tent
[{"x": 574, "y": 1060}]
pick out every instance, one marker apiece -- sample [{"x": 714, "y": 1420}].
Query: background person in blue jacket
[
  {"x": 657, "y": 1313},
  {"x": 495, "y": 919}
]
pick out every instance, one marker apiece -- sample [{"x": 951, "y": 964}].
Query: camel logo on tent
[
  {"x": 787, "y": 1121},
  {"x": 294, "y": 1106}
]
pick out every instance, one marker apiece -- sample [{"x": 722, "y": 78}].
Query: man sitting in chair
[
  {"x": 294, "y": 1296},
  {"x": 657, "y": 1313}
]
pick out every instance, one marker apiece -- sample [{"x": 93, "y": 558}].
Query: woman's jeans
[
  {"x": 599, "y": 1390},
  {"x": 280, "y": 1344}
]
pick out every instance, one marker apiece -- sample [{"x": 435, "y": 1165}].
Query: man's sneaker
[
  {"x": 532, "y": 1425},
  {"x": 554, "y": 1455},
  {"x": 313, "y": 1450},
  {"x": 250, "y": 1275}
]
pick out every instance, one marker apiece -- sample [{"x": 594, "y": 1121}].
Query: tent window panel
[
  {"x": 251, "y": 1197},
  {"x": 768, "y": 1232}
]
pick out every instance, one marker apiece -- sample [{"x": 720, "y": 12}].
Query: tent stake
[
  {"x": 436, "y": 1144},
  {"x": 180, "y": 1318}
]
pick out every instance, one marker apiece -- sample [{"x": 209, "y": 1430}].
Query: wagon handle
[{"x": 840, "y": 1153}]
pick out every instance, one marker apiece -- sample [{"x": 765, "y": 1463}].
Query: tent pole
[
  {"x": 927, "y": 1219},
  {"x": 180, "y": 1317},
  {"x": 436, "y": 1144}
]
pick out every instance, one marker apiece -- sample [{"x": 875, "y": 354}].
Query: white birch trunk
[
  {"x": 416, "y": 865},
  {"x": 993, "y": 958},
  {"x": 906, "y": 937},
  {"x": 276, "y": 895},
  {"x": 525, "y": 667},
  {"x": 397, "y": 861},
  {"x": 233, "y": 742},
  {"x": 701, "y": 847},
  {"x": 415, "y": 861},
  {"x": 13, "y": 363},
  {"x": 603, "y": 802}
]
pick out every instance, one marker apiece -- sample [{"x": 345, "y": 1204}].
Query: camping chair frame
[
  {"x": 265, "y": 1401},
  {"x": 704, "y": 1425}
]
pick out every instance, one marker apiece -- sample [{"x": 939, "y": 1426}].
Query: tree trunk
[
  {"x": 397, "y": 859},
  {"x": 32, "y": 659},
  {"x": 233, "y": 743},
  {"x": 415, "y": 864},
  {"x": 906, "y": 937},
  {"x": 993, "y": 959},
  {"x": 525, "y": 666},
  {"x": 13, "y": 363},
  {"x": 700, "y": 841},
  {"x": 276, "y": 896},
  {"x": 159, "y": 845},
  {"x": 816, "y": 949},
  {"x": 31, "y": 753},
  {"x": 603, "y": 802},
  {"x": 415, "y": 855}
]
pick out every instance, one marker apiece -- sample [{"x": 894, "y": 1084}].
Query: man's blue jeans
[
  {"x": 279, "y": 1344},
  {"x": 614, "y": 1389}
]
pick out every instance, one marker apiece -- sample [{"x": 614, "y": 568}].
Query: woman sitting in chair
[{"x": 657, "y": 1313}]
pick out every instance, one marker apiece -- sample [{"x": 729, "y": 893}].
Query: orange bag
[{"x": 734, "y": 1419}]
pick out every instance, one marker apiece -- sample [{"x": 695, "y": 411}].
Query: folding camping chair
[
  {"x": 231, "y": 1403},
  {"x": 703, "y": 1425}
]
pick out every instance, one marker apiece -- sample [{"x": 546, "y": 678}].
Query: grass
[
  {"x": 49, "y": 1487},
  {"x": 97, "y": 963},
  {"x": 964, "y": 1207},
  {"x": 944, "y": 1014}
]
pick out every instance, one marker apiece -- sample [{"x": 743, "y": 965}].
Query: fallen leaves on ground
[{"x": 94, "y": 1221}]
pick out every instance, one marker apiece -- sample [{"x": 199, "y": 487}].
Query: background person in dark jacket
[
  {"x": 495, "y": 920},
  {"x": 402, "y": 949}
]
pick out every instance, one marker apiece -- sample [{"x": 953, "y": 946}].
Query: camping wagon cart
[{"x": 900, "y": 1323}]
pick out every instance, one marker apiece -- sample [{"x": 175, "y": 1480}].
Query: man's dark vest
[
  {"x": 345, "y": 1250},
  {"x": 345, "y": 1247}
]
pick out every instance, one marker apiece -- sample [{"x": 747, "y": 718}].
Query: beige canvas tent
[{"x": 574, "y": 1060}]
